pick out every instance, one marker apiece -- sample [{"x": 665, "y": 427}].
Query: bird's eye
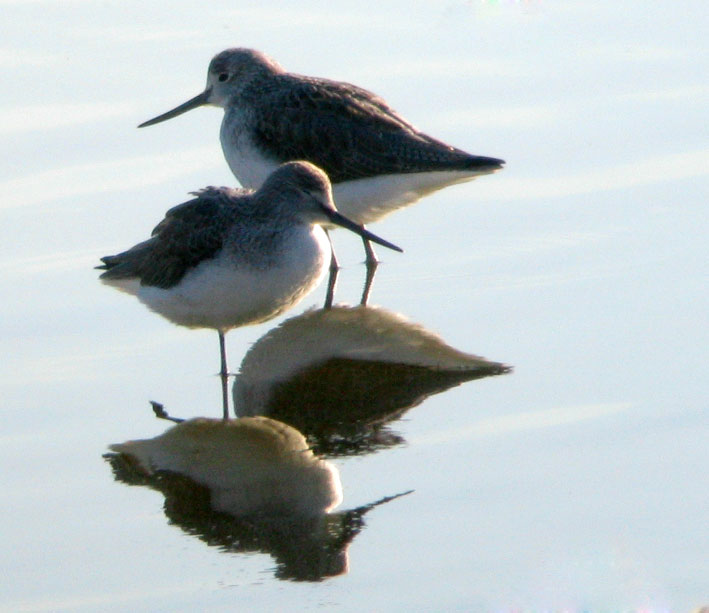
[{"x": 224, "y": 76}]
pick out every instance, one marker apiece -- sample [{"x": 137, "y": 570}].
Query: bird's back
[
  {"x": 347, "y": 131},
  {"x": 190, "y": 233}
]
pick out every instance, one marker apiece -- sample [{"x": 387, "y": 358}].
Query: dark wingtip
[
  {"x": 487, "y": 162},
  {"x": 108, "y": 262}
]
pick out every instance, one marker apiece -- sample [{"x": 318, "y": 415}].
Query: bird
[
  {"x": 376, "y": 160},
  {"x": 232, "y": 257}
]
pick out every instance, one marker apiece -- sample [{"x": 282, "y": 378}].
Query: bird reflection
[
  {"x": 248, "y": 485},
  {"x": 341, "y": 374}
]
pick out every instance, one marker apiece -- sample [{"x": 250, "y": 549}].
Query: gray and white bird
[
  {"x": 233, "y": 257},
  {"x": 376, "y": 160}
]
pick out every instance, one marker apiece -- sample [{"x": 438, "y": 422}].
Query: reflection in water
[
  {"x": 254, "y": 483},
  {"x": 340, "y": 374},
  {"x": 251, "y": 484},
  {"x": 254, "y": 465}
]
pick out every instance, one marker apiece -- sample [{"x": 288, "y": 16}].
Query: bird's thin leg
[
  {"x": 371, "y": 262},
  {"x": 372, "y": 259},
  {"x": 332, "y": 279},
  {"x": 331, "y": 284},
  {"x": 224, "y": 375}
]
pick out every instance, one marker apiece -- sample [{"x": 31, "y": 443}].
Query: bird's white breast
[
  {"x": 245, "y": 161},
  {"x": 223, "y": 293}
]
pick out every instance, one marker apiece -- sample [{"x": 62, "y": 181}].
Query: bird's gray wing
[
  {"x": 189, "y": 234},
  {"x": 350, "y": 133}
]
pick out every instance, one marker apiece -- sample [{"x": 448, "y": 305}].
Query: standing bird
[
  {"x": 376, "y": 160},
  {"x": 233, "y": 257}
]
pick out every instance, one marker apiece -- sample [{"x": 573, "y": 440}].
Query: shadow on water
[
  {"x": 248, "y": 485},
  {"x": 340, "y": 375}
]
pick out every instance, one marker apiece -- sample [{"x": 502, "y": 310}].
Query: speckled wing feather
[
  {"x": 349, "y": 132},
  {"x": 190, "y": 233}
]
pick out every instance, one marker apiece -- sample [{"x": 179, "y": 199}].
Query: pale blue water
[{"x": 576, "y": 482}]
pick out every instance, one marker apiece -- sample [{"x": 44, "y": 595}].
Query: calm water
[{"x": 578, "y": 481}]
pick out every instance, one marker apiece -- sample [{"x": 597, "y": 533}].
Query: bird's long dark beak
[
  {"x": 341, "y": 220},
  {"x": 192, "y": 103}
]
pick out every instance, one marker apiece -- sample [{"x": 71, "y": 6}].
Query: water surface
[{"x": 578, "y": 481}]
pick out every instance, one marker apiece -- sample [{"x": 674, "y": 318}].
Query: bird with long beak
[
  {"x": 376, "y": 160},
  {"x": 232, "y": 257}
]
